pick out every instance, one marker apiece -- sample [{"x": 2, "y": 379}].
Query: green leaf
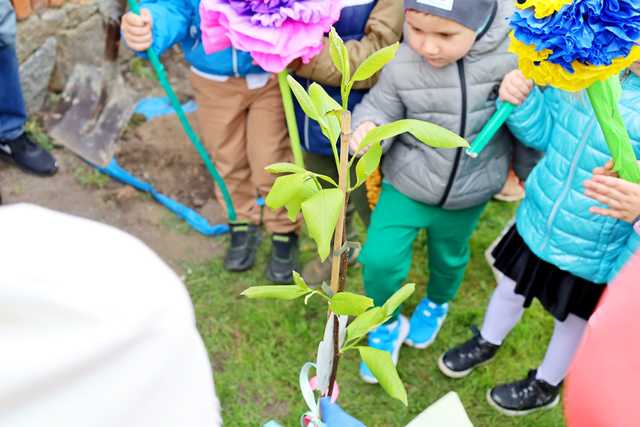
[
  {"x": 278, "y": 168},
  {"x": 321, "y": 213},
  {"x": 365, "y": 322},
  {"x": 401, "y": 295},
  {"x": 291, "y": 191},
  {"x": 284, "y": 189},
  {"x": 303, "y": 98},
  {"x": 339, "y": 55},
  {"x": 288, "y": 292},
  {"x": 300, "y": 283},
  {"x": 350, "y": 304},
  {"x": 368, "y": 163},
  {"x": 331, "y": 128},
  {"x": 375, "y": 62},
  {"x": 381, "y": 366},
  {"x": 425, "y": 132},
  {"x": 322, "y": 101}
]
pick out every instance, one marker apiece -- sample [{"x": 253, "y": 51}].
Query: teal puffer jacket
[
  {"x": 554, "y": 218},
  {"x": 178, "y": 21}
]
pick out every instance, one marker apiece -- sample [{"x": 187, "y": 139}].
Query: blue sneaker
[
  {"x": 388, "y": 338},
  {"x": 425, "y": 323}
]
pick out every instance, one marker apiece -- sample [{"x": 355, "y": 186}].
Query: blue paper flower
[{"x": 592, "y": 32}]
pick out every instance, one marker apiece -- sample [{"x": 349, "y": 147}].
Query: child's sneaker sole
[
  {"x": 456, "y": 375},
  {"x": 395, "y": 355},
  {"x": 516, "y": 413}
]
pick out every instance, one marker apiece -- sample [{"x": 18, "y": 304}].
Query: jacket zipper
[
  {"x": 463, "y": 127},
  {"x": 568, "y": 182},
  {"x": 234, "y": 62}
]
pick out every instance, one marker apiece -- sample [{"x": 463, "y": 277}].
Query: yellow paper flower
[
  {"x": 535, "y": 66},
  {"x": 543, "y": 8}
]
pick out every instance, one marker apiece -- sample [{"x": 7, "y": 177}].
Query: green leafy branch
[{"x": 323, "y": 208}]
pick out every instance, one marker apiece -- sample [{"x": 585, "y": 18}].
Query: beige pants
[{"x": 244, "y": 131}]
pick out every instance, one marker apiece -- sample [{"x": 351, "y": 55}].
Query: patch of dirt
[{"x": 157, "y": 152}]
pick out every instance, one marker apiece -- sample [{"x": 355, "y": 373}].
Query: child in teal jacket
[{"x": 562, "y": 250}]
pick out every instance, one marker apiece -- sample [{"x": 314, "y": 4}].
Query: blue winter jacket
[
  {"x": 554, "y": 218},
  {"x": 178, "y": 21},
  {"x": 351, "y": 26}
]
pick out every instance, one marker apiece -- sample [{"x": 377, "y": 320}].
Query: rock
[
  {"x": 35, "y": 74},
  {"x": 78, "y": 13},
  {"x": 83, "y": 44}
]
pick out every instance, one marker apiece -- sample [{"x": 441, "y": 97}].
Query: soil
[{"x": 156, "y": 151}]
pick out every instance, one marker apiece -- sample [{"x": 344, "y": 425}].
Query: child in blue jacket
[
  {"x": 242, "y": 123},
  {"x": 563, "y": 248}
]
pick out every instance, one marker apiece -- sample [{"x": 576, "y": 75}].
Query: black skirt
[{"x": 559, "y": 291}]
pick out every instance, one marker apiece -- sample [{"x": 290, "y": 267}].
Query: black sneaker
[
  {"x": 241, "y": 255},
  {"x": 28, "y": 156},
  {"x": 284, "y": 258},
  {"x": 524, "y": 396},
  {"x": 459, "y": 361}
]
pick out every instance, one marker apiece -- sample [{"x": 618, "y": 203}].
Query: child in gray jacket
[{"x": 447, "y": 72}]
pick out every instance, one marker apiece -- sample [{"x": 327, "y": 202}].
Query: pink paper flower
[{"x": 275, "y": 32}]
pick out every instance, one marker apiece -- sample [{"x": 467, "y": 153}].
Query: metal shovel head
[{"x": 92, "y": 113}]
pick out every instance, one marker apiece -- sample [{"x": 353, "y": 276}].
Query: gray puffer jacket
[
  {"x": 460, "y": 97},
  {"x": 7, "y": 24}
]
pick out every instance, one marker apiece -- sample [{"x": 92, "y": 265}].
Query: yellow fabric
[
  {"x": 374, "y": 187},
  {"x": 544, "y": 8},
  {"x": 546, "y": 73}
]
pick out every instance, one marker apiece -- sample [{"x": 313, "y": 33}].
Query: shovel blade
[{"x": 89, "y": 122}]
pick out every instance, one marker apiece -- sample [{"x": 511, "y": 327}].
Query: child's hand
[
  {"x": 515, "y": 88},
  {"x": 607, "y": 170},
  {"x": 137, "y": 30},
  {"x": 358, "y": 136},
  {"x": 621, "y": 197}
]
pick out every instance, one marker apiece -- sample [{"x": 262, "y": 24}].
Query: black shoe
[
  {"x": 28, "y": 156},
  {"x": 284, "y": 258},
  {"x": 524, "y": 396},
  {"x": 241, "y": 255},
  {"x": 459, "y": 361}
]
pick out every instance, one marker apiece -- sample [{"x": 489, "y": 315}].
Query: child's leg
[
  {"x": 222, "y": 112},
  {"x": 562, "y": 347},
  {"x": 268, "y": 143},
  {"x": 387, "y": 254},
  {"x": 448, "y": 237},
  {"x": 448, "y": 245},
  {"x": 503, "y": 313}
]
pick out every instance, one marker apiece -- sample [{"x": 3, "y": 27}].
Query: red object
[{"x": 602, "y": 385}]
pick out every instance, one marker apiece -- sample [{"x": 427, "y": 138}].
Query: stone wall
[{"x": 54, "y": 36}]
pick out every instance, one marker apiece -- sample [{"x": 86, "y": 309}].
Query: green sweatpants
[{"x": 388, "y": 252}]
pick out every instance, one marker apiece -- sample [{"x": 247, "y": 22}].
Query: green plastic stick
[
  {"x": 193, "y": 136},
  {"x": 604, "y": 97},
  {"x": 290, "y": 115},
  {"x": 489, "y": 130}
]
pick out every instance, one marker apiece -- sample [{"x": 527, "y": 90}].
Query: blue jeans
[{"x": 13, "y": 113}]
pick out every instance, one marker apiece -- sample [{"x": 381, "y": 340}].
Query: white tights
[{"x": 505, "y": 310}]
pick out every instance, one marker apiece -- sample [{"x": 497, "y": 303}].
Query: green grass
[
  {"x": 38, "y": 134},
  {"x": 258, "y": 347},
  {"x": 89, "y": 177}
]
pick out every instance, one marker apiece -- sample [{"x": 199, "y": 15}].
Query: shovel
[{"x": 96, "y": 103}]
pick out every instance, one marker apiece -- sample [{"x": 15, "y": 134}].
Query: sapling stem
[{"x": 339, "y": 258}]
